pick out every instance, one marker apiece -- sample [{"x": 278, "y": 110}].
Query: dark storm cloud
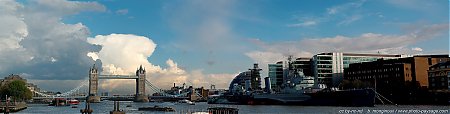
[{"x": 49, "y": 49}]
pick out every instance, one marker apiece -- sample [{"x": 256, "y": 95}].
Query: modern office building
[
  {"x": 239, "y": 80},
  {"x": 276, "y": 75},
  {"x": 252, "y": 75},
  {"x": 304, "y": 65},
  {"x": 328, "y": 68},
  {"x": 278, "y": 72},
  {"x": 439, "y": 76}
]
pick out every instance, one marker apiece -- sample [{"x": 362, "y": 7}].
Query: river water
[{"x": 106, "y": 106}]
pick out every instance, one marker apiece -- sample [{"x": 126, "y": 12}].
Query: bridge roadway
[
  {"x": 117, "y": 77},
  {"x": 118, "y": 98},
  {"x": 80, "y": 97}
]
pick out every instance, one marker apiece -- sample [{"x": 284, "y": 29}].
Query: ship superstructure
[{"x": 296, "y": 89}]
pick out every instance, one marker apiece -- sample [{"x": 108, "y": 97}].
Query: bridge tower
[
  {"x": 93, "y": 85},
  {"x": 140, "y": 86}
]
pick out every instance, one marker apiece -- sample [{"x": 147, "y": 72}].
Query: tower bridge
[
  {"x": 117, "y": 77},
  {"x": 94, "y": 76},
  {"x": 93, "y": 81}
]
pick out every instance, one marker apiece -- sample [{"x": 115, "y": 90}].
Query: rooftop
[{"x": 362, "y": 54}]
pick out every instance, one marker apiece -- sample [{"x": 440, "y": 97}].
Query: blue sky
[
  {"x": 267, "y": 20},
  {"x": 206, "y": 41}
]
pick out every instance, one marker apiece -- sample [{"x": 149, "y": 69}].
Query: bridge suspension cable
[{"x": 65, "y": 94}]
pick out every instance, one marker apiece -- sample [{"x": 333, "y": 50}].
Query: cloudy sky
[{"x": 202, "y": 42}]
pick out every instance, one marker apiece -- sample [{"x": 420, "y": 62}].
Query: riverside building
[
  {"x": 412, "y": 69},
  {"x": 276, "y": 75},
  {"x": 278, "y": 72},
  {"x": 303, "y": 64},
  {"x": 400, "y": 80},
  {"x": 328, "y": 68},
  {"x": 439, "y": 76},
  {"x": 250, "y": 79},
  {"x": 14, "y": 77}
]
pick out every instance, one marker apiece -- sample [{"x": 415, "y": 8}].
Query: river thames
[{"x": 106, "y": 106}]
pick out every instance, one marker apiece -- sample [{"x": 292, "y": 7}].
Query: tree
[{"x": 17, "y": 89}]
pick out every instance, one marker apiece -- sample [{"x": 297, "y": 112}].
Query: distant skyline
[{"x": 203, "y": 42}]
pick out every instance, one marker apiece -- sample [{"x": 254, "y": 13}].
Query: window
[{"x": 429, "y": 61}]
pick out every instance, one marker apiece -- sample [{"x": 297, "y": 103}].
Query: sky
[{"x": 202, "y": 42}]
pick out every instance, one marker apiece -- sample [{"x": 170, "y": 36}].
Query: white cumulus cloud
[
  {"x": 122, "y": 54},
  {"x": 417, "y": 49}
]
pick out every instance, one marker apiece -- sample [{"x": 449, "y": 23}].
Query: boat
[
  {"x": 218, "y": 100},
  {"x": 73, "y": 102},
  {"x": 59, "y": 102},
  {"x": 157, "y": 108},
  {"x": 185, "y": 101},
  {"x": 294, "y": 92}
]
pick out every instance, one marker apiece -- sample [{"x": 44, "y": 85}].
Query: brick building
[
  {"x": 413, "y": 69},
  {"x": 439, "y": 75}
]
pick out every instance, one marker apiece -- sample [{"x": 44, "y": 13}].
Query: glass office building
[
  {"x": 328, "y": 68},
  {"x": 276, "y": 75}
]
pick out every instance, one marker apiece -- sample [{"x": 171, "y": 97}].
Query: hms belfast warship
[{"x": 246, "y": 89}]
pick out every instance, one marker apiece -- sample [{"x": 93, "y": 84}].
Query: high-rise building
[
  {"x": 276, "y": 75},
  {"x": 328, "y": 68}
]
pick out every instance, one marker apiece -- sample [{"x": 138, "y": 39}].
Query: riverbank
[{"x": 13, "y": 106}]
